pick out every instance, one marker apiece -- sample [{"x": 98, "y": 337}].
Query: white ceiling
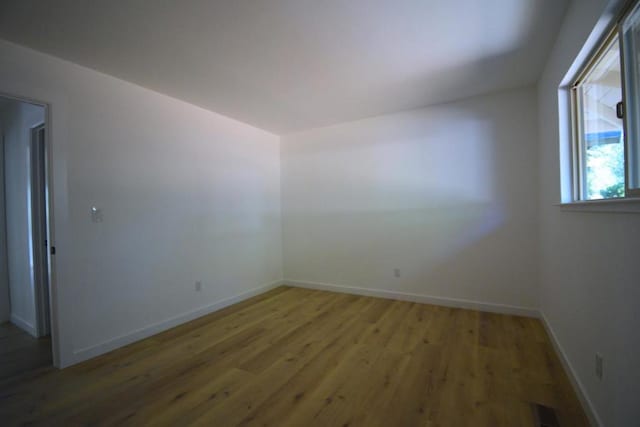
[{"x": 286, "y": 65}]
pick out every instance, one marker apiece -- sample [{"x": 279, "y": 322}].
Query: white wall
[
  {"x": 186, "y": 195},
  {"x": 5, "y": 306},
  {"x": 18, "y": 119},
  {"x": 590, "y": 275},
  {"x": 447, "y": 194}
]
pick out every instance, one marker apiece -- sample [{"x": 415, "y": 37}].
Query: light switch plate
[{"x": 96, "y": 214}]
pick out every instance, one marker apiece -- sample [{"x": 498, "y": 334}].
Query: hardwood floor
[
  {"x": 20, "y": 353},
  {"x": 297, "y": 357}
]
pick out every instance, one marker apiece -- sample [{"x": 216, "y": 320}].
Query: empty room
[{"x": 320, "y": 213}]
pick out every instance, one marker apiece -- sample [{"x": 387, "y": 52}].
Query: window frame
[
  {"x": 628, "y": 11},
  {"x": 578, "y": 174}
]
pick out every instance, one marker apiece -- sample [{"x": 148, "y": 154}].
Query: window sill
[{"x": 623, "y": 205}]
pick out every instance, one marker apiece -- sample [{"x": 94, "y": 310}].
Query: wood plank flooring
[
  {"x": 297, "y": 357},
  {"x": 20, "y": 353}
]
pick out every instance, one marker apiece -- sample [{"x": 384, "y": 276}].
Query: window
[{"x": 606, "y": 116}]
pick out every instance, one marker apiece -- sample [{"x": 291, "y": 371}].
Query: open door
[
  {"x": 39, "y": 228},
  {"x": 28, "y": 337}
]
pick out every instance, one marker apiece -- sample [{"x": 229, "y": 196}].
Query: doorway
[{"x": 25, "y": 320}]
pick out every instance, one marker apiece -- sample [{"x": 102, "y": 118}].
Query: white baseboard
[
  {"x": 586, "y": 403},
  {"x": 86, "y": 353},
  {"x": 424, "y": 299},
  {"x": 24, "y": 325}
]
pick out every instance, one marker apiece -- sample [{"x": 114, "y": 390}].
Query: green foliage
[
  {"x": 605, "y": 171},
  {"x": 616, "y": 190}
]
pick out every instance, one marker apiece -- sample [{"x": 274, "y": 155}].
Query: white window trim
[
  {"x": 619, "y": 205},
  {"x": 568, "y": 172}
]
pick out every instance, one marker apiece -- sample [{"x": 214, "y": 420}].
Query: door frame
[
  {"x": 50, "y": 261},
  {"x": 39, "y": 238}
]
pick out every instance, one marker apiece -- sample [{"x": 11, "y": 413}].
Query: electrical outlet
[
  {"x": 599, "y": 366},
  {"x": 396, "y": 272},
  {"x": 198, "y": 286}
]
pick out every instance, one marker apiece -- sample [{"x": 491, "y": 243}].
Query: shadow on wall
[{"x": 445, "y": 194}]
